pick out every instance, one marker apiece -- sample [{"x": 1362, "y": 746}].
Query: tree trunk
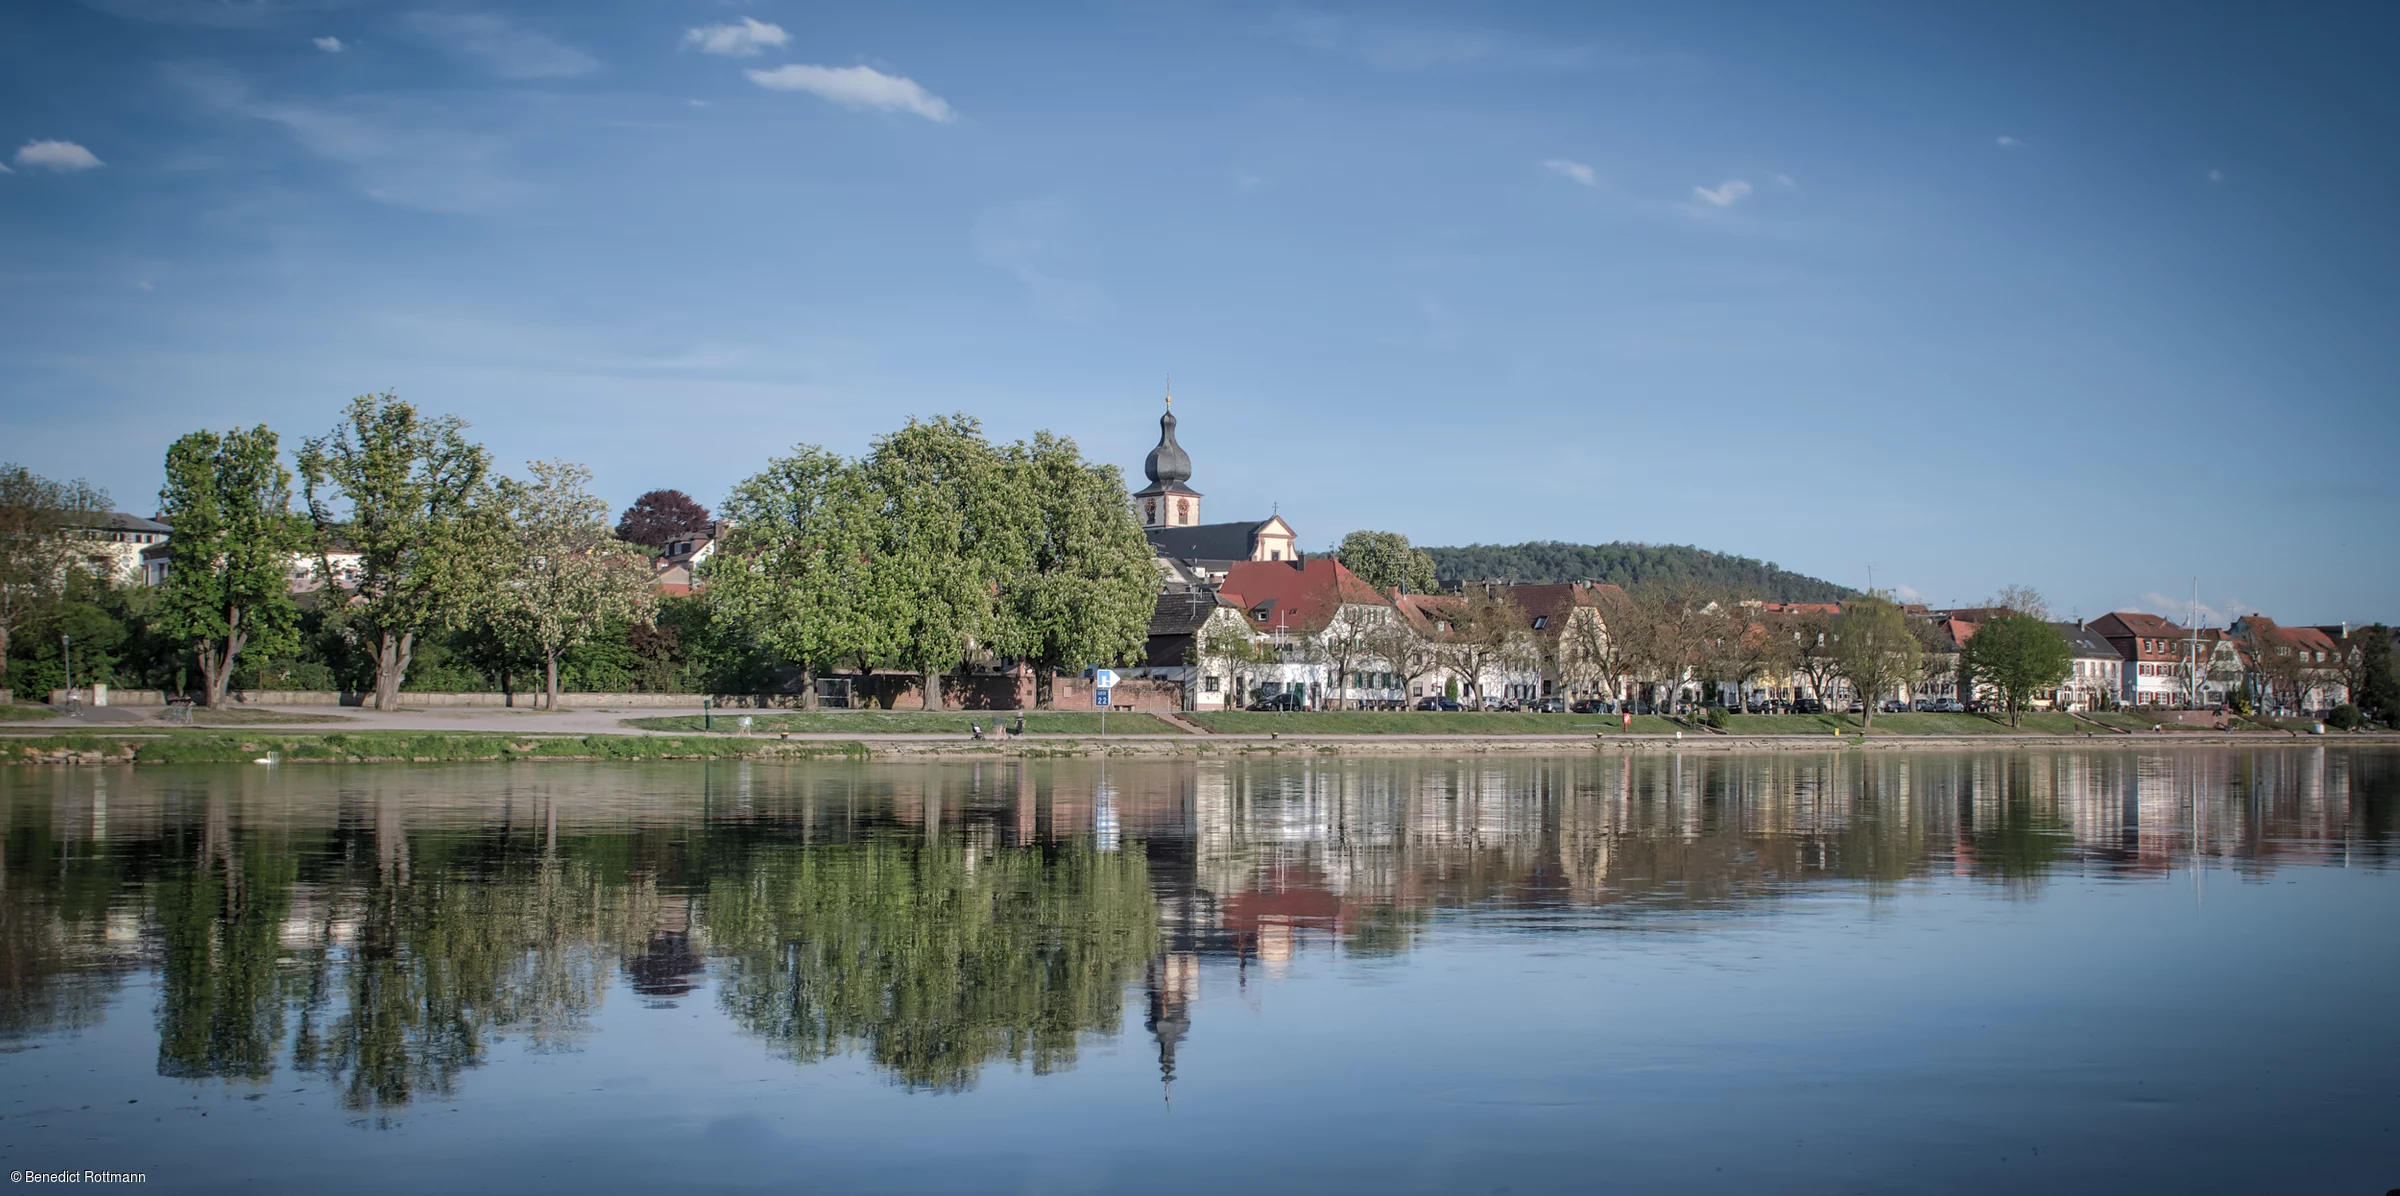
[
  {"x": 392, "y": 654},
  {"x": 930, "y": 694},
  {"x": 1045, "y": 687},
  {"x": 550, "y": 677},
  {"x": 808, "y": 687}
]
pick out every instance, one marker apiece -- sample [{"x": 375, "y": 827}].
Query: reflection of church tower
[
  {"x": 1174, "y": 981},
  {"x": 1167, "y": 501}
]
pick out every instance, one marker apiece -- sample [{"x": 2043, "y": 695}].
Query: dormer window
[{"x": 1540, "y": 622}]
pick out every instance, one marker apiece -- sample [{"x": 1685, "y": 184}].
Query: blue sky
[{"x": 2098, "y": 301}]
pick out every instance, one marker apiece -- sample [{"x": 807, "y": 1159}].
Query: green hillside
[{"x": 1626, "y": 564}]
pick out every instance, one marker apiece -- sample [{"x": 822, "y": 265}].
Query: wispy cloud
[
  {"x": 1400, "y": 45},
  {"x": 504, "y": 49},
  {"x": 2004, "y": 141},
  {"x": 857, "y": 87},
  {"x": 746, "y": 40},
  {"x": 1571, "y": 169},
  {"x": 1033, "y": 240},
  {"x": 2180, "y": 609},
  {"x": 2216, "y": 176},
  {"x": 397, "y": 152},
  {"x": 65, "y": 157},
  {"x": 1785, "y": 180},
  {"x": 1723, "y": 195},
  {"x": 330, "y": 44},
  {"x": 1246, "y": 182}
]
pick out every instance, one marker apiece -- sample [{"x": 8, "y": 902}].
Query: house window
[
  {"x": 1208, "y": 685},
  {"x": 1540, "y": 621}
]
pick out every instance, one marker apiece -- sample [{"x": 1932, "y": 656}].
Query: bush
[
  {"x": 1716, "y": 717},
  {"x": 2345, "y": 717}
]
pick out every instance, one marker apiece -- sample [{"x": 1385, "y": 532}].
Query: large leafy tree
[
  {"x": 1386, "y": 561},
  {"x": 1874, "y": 650},
  {"x": 228, "y": 586},
  {"x": 2378, "y": 690},
  {"x": 410, "y": 495},
  {"x": 2018, "y": 654},
  {"x": 561, "y": 576},
  {"x": 1090, "y": 583},
  {"x": 37, "y": 516},
  {"x": 800, "y": 571},
  {"x": 660, "y": 516},
  {"x": 950, "y": 531}
]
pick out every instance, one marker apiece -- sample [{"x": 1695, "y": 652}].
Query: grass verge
[
  {"x": 916, "y": 722},
  {"x": 1425, "y": 722},
  {"x": 202, "y": 747},
  {"x": 2028, "y": 723},
  {"x": 236, "y": 717},
  {"x": 12, "y": 713}
]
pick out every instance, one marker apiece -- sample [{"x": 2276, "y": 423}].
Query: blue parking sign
[{"x": 1100, "y": 698}]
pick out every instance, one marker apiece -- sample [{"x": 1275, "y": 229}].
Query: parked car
[
  {"x": 1549, "y": 706},
  {"x": 1948, "y": 706},
  {"x": 1439, "y": 704},
  {"x": 1279, "y": 703},
  {"x": 1894, "y": 706},
  {"x": 1593, "y": 706},
  {"x": 1807, "y": 706}
]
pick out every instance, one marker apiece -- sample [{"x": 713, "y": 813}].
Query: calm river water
[{"x": 2075, "y": 971}]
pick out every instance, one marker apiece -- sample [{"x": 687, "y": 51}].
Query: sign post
[{"x": 1102, "y": 681}]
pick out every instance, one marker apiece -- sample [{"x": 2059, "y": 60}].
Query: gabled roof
[
  {"x": 1546, "y": 606},
  {"x": 1207, "y": 541},
  {"x": 1182, "y": 613},
  {"x": 2087, "y": 643},
  {"x": 1426, "y": 612},
  {"x": 2265, "y": 630},
  {"x": 119, "y": 521},
  {"x": 1295, "y": 595}
]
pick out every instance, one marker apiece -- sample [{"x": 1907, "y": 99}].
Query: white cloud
[
  {"x": 65, "y": 157},
  {"x": 746, "y": 40},
  {"x": 2216, "y": 176},
  {"x": 1725, "y": 194},
  {"x": 857, "y": 87},
  {"x": 144, "y": 285},
  {"x": 1906, "y": 593},
  {"x": 2007, "y": 142},
  {"x": 1246, "y": 182},
  {"x": 1571, "y": 169},
  {"x": 330, "y": 44},
  {"x": 2179, "y": 610},
  {"x": 408, "y": 152},
  {"x": 1033, "y": 240},
  {"x": 502, "y": 48},
  {"x": 1785, "y": 180}
]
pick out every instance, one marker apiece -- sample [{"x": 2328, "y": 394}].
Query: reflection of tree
[
  {"x": 935, "y": 956},
  {"x": 220, "y": 1009}
]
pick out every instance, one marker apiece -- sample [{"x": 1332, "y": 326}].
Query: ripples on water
[{"x": 321, "y": 950}]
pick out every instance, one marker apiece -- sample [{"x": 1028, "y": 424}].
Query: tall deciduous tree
[
  {"x": 1487, "y": 633},
  {"x": 228, "y": 585},
  {"x": 1874, "y": 650},
  {"x": 559, "y": 575},
  {"x": 2378, "y": 691},
  {"x": 799, "y": 571},
  {"x": 1386, "y": 561},
  {"x": 1395, "y": 642},
  {"x": 951, "y": 531},
  {"x": 1090, "y": 584},
  {"x": 408, "y": 494},
  {"x": 660, "y": 516},
  {"x": 2019, "y": 655},
  {"x": 1813, "y": 651},
  {"x": 37, "y": 517}
]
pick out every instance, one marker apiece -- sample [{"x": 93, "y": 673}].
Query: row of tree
[{"x": 935, "y": 549}]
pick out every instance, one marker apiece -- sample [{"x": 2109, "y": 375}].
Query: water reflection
[{"x": 383, "y": 927}]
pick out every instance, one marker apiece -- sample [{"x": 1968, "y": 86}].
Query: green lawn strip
[
  {"x": 2028, "y": 723},
  {"x": 25, "y": 714},
  {"x": 915, "y": 722},
  {"x": 433, "y": 746},
  {"x": 1423, "y": 722},
  {"x": 2135, "y": 721}
]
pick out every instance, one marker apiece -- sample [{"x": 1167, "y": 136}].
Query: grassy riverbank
[
  {"x": 914, "y": 722},
  {"x": 11, "y": 712},
  {"x": 202, "y": 747}
]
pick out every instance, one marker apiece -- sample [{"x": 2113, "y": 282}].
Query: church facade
[{"x": 1192, "y": 553}]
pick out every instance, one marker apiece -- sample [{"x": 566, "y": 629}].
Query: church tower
[{"x": 1167, "y": 501}]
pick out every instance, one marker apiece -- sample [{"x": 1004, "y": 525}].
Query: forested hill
[{"x": 1625, "y": 564}]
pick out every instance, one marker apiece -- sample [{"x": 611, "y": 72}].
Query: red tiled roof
[{"x": 1297, "y": 596}]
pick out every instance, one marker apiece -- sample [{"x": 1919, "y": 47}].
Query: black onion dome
[{"x": 1168, "y": 462}]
